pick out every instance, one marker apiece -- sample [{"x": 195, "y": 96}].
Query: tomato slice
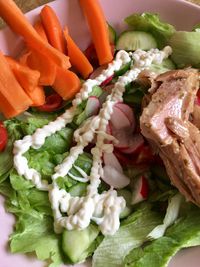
[
  {"x": 53, "y": 102},
  {"x": 3, "y": 136}
]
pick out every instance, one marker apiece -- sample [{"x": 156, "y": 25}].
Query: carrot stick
[
  {"x": 37, "y": 96},
  {"x": 52, "y": 28},
  {"x": 13, "y": 16},
  {"x": 8, "y": 110},
  {"x": 40, "y": 30},
  {"x": 66, "y": 84},
  {"x": 98, "y": 28},
  {"x": 45, "y": 66},
  {"x": 77, "y": 57},
  {"x": 10, "y": 88},
  {"x": 26, "y": 77}
]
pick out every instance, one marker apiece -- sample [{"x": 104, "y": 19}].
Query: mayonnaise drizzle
[{"x": 103, "y": 208}]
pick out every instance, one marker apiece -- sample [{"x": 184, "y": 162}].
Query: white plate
[{"x": 180, "y": 13}]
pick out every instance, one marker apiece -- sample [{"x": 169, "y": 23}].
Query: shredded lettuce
[
  {"x": 182, "y": 234},
  {"x": 170, "y": 217},
  {"x": 131, "y": 234}
]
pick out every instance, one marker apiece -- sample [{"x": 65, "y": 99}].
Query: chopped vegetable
[
  {"x": 81, "y": 240},
  {"x": 19, "y": 101},
  {"x": 77, "y": 57},
  {"x": 13, "y": 16},
  {"x": 66, "y": 83},
  {"x": 112, "y": 34},
  {"x": 98, "y": 28},
  {"x": 44, "y": 65},
  {"x": 3, "y": 136},
  {"x": 52, "y": 28},
  {"x": 26, "y": 77},
  {"x": 38, "y": 26},
  {"x": 170, "y": 217},
  {"x": 52, "y": 103},
  {"x": 131, "y": 234},
  {"x": 133, "y": 40},
  {"x": 37, "y": 96},
  {"x": 151, "y": 23},
  {"x": 140, "y": 190},
  {"x": 185, "y": 47}
]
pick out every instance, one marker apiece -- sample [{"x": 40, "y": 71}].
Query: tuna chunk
[{"x": 165, "y": 123}]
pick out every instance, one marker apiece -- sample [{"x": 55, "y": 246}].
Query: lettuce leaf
[
  {"x": 182, "y": 234},
  {"x": 131, "y": 234},
  {"x": 35, "y": 234},
  {"x": 150, "y": 22}
]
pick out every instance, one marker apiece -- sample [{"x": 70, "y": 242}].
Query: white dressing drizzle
[{"x": 103, "y": 208}]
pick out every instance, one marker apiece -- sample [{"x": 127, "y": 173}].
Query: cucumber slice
[
  {"x": 122, "y": 70},
  {"x": 78, "y": 190},
  {"x": 133, "y": 40},
  {"x": 76, "y": 242},
  {"x": 112, "y": 34}
]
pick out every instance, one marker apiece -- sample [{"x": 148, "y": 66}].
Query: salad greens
[
  {"x": 151, "y": 232},
  {"x": 151, "y": 23}
]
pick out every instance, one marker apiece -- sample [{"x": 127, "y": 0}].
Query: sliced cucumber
[
  {"x": 122, "y": 70},
  {"x": 112, "y": 34},
  {"x": 133, "y": 40},
  {"x": 78, "y": 190},
  {"x": 75, "y": 243}
]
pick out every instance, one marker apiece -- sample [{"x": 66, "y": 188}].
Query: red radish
[
  {"x": 140, "y": 190},
  {"x": 109, "y": 129},
  {"x": 111, "y": 160},
  {"x": 114, "y": 178},
  {"x": 128, "y": 111},
  {"x": 92, "y": 106},
  {"x": 119, "y": 120},
  {"x": 134, "y": 145},
  {"x": 107, "y": 81}
]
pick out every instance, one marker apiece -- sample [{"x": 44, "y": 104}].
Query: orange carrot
[
  {"x": 52, "y": 28},
  {"x": 26, "y": 77},
  {"x": 77, "y": 57},
  {"x": 40, "y": 30},
  {"x": 13, "y": 16},
  {"x": 66, "y": 84},
  {"x": 45, "y": 66},
  {"x": 37, "y": 96},
  {"x": 5, "y": 107},
  {"x": 10, "y": 88},
  {"x": 98, "y": 28}
]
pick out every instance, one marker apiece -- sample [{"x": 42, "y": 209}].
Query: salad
[{"x": 99, "y": 149}]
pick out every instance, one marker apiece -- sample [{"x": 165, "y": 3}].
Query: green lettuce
[
  {"x": 131, "y": 234},
  {"x": 36, "y": 234},
  {"x": 151, "y": 23},
  {"x": 185, "y": 232}
]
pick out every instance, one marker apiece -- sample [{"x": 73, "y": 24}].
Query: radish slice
[
  {"x": 128, "y": 112},
  {"x": 111, "y": 160},
  {"x": 140, "y": 190},
  {"x": 108, "y": 129},
  {"x": 119, "y": 120},
  {"x": 134, "y": 144},
  {"x": 107, "y": 81},
  {"x": 92, "y": 106},
  {"x": 114, "y": 178}
]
